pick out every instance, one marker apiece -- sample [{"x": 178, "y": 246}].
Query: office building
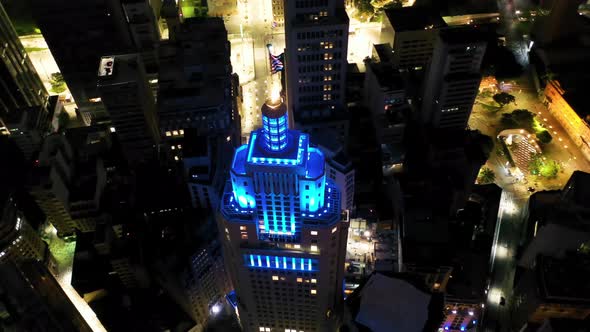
[
  {"x": 206, "y": 162},
  {"x": 338, "y": 166},
  {"x": 385, "y": 96},
  {"x": 278, "y": 14},
  {"x": 78, "y": 34},
  {"x": 141, "y": 18},
  {"x": 552, "y": 288},
  {"x": 316, "y": 36},
  {"x": 69, "y": 185},
  {"x": 18, "y": 239},
  {"x": 33, "y": 300},
  {"x": 558, "y": 220},
  {"x": 26, "y": 127},
  {"x": 411, "y": 32},
  {"x": 284, "y": 236},
  {"x": 20, "y": 86},
  {"x": 196, "y": 88},
  {"x": 126, "y": 95},
  {"x": 453, "y": 78}
]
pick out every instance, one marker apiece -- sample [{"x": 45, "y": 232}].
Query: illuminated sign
[{"x": 106, "y": 66}]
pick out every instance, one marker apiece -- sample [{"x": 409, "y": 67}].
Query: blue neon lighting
[
  {"x": 297, "y": 263},
  {"x": 462, "y": 328}
]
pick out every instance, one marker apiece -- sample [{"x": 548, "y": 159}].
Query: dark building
[
  {"x": 32, "y": 300},
  {"x": 20, "y": 86},
  {"x": 553, "y": 288},
  {"x": 411, "y": 33},
  {"x": 453, "y": 78},
  {"x": 128, "y": 99},
  {"x": 197, "y": 89},
  {"x": 78, "y": 34}
]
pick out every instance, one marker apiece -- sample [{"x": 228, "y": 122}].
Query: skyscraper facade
[
  {"x": 20, "y": 86},
  {"x": 284, "y": 236},
  {"x": 123, "y": 87},
  {"x": 453, "y": 78},
  {"x": 316, "y": 47}
]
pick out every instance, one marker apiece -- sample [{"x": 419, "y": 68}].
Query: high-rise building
[
  {"x": 316, "y": 36},
  {"x": 196, "y": 87},
  {"x": 128, "y": 99},
  {"x": 20, "y": 86},
  {"x": 33, "y": 300},
  {"x": 278, "y": 13},
  {"x": 143, "y": 25},
  {"x": 411, "y": 32},
  {"x": 453, "y": 78},
  {"x": 26, "y": 126},
  {"x": 78, "y": 34},
  {"x": 284, "y": 236},
  {"x": 18, "y": 239}
]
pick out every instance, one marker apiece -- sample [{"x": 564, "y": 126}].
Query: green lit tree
[
  {"x": 485, "y": 176},
  {"x": 58, "y": 84}
]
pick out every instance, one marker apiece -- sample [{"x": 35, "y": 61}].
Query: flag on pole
[{"x": 276, "y": 61}]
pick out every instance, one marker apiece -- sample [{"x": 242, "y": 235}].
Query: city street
[{"x": 509, "y": 229}]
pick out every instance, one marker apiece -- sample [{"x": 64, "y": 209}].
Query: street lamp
[{"x": 215, "y": 309}]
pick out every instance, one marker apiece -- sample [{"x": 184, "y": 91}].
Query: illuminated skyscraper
[{"x": 283, "y": 231}]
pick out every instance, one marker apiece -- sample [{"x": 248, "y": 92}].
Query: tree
[
  {"x": 507, "y": 121},
  {"x": 523, "y": 117},
  {"x": 58, "y": 84},
  {"x": 63, "y": 119},
  {"x": 503, "y": 98},
  {"x": 486, "y": 175},
  {"x": 544, "y": 137}
]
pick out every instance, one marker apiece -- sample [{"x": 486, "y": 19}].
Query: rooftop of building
[
  {"x": 382, "y": 52},
  {"x": 414, "y": 18},
  {"x": 577, "y": 189},
  {"x": 387, "y": 299},
  {"x": 463, "y": 35},
  {"x": 564, "y": 280},
  {"x": 117, "y": 69},
  {"x": 388, "y": 76}
]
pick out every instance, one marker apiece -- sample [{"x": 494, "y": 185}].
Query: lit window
[
  {"x": 313, "y": 291},
  {"x": 275, "y": 278},
  {"x": 173, "y": 147},
  {"x": 179, "y": 146},
  {"x": 334, "y": 230},
  {"x": 299, "y": 279},
  {"x": 314, "y": 281},
  {"x": 168, "y": 133},
  {"x": 181, "y": 131},
  {"x": 314, "y": 248},
  {"x": 314, "y": 232},
  {"x": 261, "y": 329},
  {"x": 297, "y": 246},
  {"x": 176, "y": 158},
  {"x": 243, "y": 228},
  {"x": 175, "y": 133},
  {"x": 267, "y": 329},
  {"x": 112, "y": 129},
  {"x": 244, "y": 236}
]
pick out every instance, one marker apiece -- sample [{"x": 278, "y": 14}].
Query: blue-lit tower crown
[
  {"x": 275, "y": 125},
  {"x": 278, "y": 180}
]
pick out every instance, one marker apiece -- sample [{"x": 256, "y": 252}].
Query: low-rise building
[{"x": 570, "y": 109}]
